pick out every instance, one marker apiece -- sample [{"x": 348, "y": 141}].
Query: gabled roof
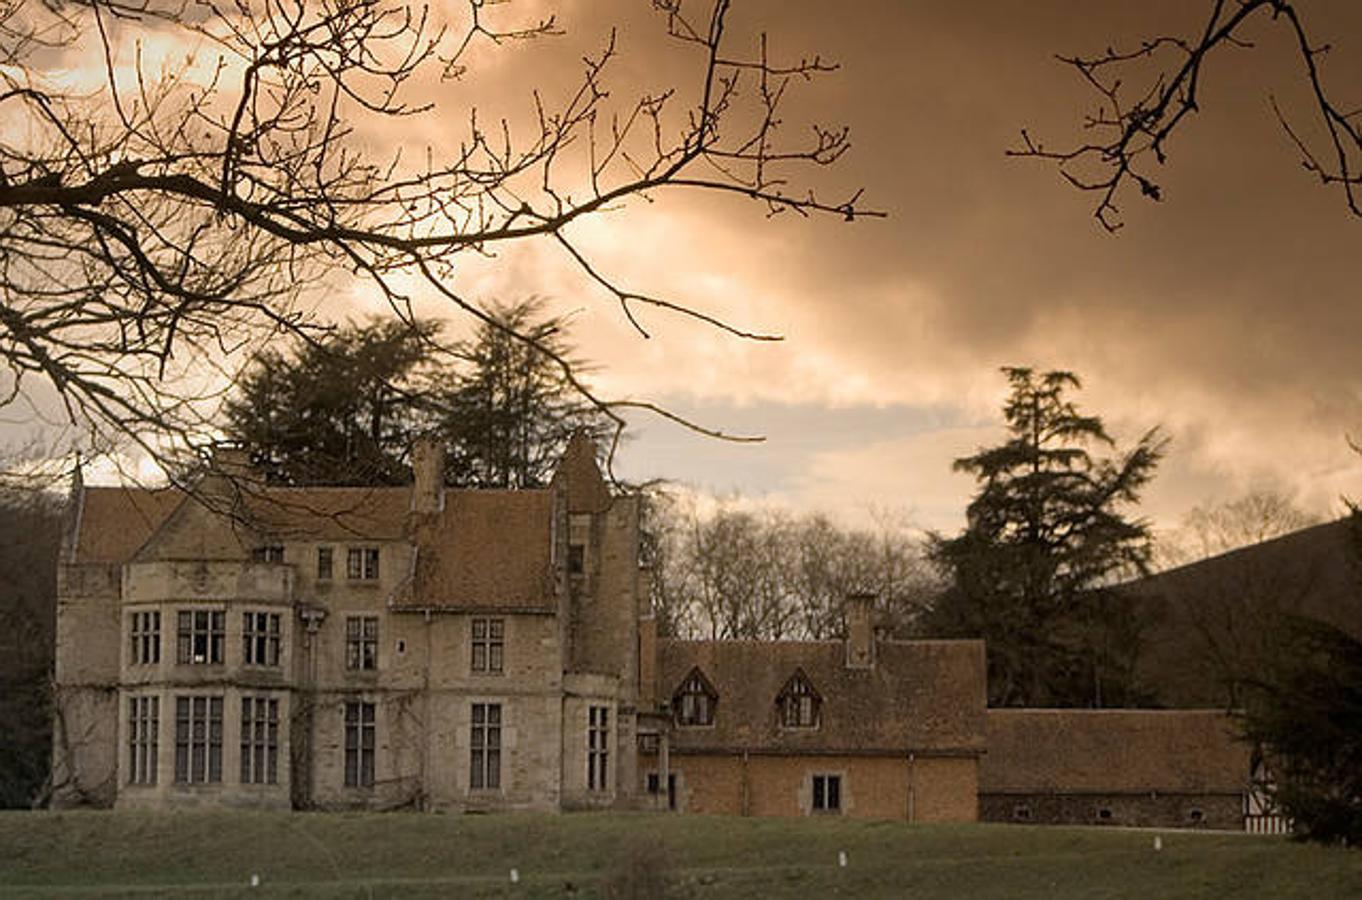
[
  {"x": 112, "y": 523},
  {"x": 1112, "y": 751},
  {"x": 920, "y": 696}
]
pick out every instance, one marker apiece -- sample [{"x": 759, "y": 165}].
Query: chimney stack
[
  {"x": 860, "y": 631},
  {"x": 428, "y": 467}
]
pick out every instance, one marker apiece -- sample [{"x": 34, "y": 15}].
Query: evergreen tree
[
  {"x": 509, "y": 415},
  {"x": 345, "y": 410},
  {"x": 1304, "y": 712},
  {"x": 1045, "y": 535},
  {"x": 338, "y": 411}
]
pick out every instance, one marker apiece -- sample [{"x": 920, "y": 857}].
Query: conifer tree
[{"x": 1045, "y": 534}]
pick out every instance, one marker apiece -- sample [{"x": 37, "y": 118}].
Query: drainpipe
[
  {"x": 912, "y": 786},
  {"x": 427, "y": 757},
  {"x": 746, "y": 787}
]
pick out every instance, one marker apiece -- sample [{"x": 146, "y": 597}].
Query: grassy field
[{"x": 69, "y": 854}]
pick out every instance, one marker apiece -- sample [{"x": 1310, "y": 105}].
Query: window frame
[
  {"x": 361, "y": 743},
  {"x": 144, "y": 727},
  {"x": 259, "y": 739},
  {"x": 598, "y": 749},
  {"x": 198, "y": 739},
  {"x": 487, "y": 654},
  {"x": 484, "y": 743},
  {"x": 326, "y": 563},
  {"x": 799, "y": 706},
  {"x": 361, "y": 643},
  {"x": 362, "y": 563},
  {"x": 268, "y": 553},
  {"x": 687, "y": 711},
  {"x": 213, "y": 631},
  {"x": 267, "y": 643},
  {"x": 825, "y": 794},
  {"x": 145, "y": 631}
]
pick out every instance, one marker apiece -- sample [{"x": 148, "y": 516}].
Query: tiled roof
[
  {"x": 114, "y": 522},
  {"x": 1112, "y": 751},
  {"x": 920, "y": 696},
  {"x": 331, "y": 513},
  {"x": 486, "y": 549}
]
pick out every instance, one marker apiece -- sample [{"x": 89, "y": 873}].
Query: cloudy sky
[{"x": 1227, "y": 314}]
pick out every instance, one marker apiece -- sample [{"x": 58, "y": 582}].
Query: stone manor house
[{"x": 430, "y": 648}]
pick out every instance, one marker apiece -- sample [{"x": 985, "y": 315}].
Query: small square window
[
  {"x": 827, "y": 793},
  {"x": 1021, "y": 812},
  {"x": 361, "y": 563}
]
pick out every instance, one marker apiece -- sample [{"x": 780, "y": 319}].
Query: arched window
[
  {"x": 694, "y": 701},
  {"x": 799, "y": 703}
]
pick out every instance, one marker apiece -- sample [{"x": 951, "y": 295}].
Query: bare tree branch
[
  {"x": 156, "y": 227},
  {"x": 1146, "y": 93}
]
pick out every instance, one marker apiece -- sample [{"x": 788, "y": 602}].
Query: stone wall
[{"x": 1221, "y": 811}]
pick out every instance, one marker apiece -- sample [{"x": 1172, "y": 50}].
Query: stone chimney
[
  {"x": 428, "y": 465},
  {"x": 860, "y": 631},
  {"x": 234, "y": 464}
]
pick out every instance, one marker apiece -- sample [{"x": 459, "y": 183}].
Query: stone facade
[{"x": 336, "y": 648}]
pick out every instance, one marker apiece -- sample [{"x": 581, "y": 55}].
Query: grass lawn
[{"x": 66, "y": 854}]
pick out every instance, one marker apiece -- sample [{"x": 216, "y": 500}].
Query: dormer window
[
  {"x": 694, "y": 702},
  {"x": 799, "y": 703}
]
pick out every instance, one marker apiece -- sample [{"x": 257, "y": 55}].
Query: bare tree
[
  {"x": 766, "y": 574},
  {"x": 1146, "y": 92},
  {"x": 159, "y": 224},
  {"x": 1213, "y": 528}
]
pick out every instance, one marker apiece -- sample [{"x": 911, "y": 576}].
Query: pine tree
[{"x": 1045, "y": 535}]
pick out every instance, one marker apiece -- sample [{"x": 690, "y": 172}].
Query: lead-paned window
[
  {"x": 146, "y": 638},
  {"x": 361, "y": 642},
  {"x": 361, "y": 563},
  {"x": 259, "y": 740},
  {"x": 799, "y": 703},
  {"x": 260, "y": 636},
  {"x": 597, "y": 747},
  {"x": 694, "y": 701},
  {"x": 324, "y": 563},
  {"x": 202, "y": 634},
  {"x": 144, "y": 725},
  {"x": 489, "y": 645},
  {"x": 360, "y": 742},
  {"x": 198, "y": 740},
  {"x": 485, "y": 741}
]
